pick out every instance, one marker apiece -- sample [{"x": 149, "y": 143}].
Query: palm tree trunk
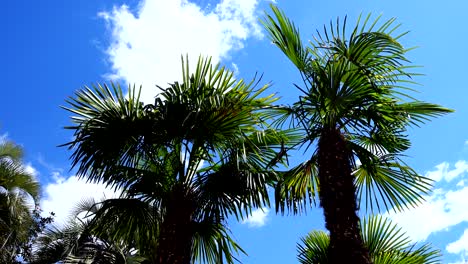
[
  {"x": 338, "y": 199},
  {"x": 176, "y": 233}
]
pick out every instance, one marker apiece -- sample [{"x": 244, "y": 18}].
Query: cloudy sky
[{"x": 51, "y": 48}]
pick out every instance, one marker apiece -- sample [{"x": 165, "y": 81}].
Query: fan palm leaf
[{"x": 387, "y": 244}]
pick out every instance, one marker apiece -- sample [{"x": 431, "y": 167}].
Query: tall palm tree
[
  {"x": 387, "y": 244},
  {"x": 355, "y": 109},
  {"x": 201, "y": 152},
  {"x": 18, "y": 192}
]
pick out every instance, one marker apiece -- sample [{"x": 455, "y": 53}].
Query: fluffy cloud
[
  {"x": 445, "y": 207},
  {"x": 442, "y": 210},
  {"x": 258, "y": 218},
  {"x": 443, "y": 171},
  {"x": 147, "y": 45},
  {"x": 459, "y": 246},
  {"x": 62, "y": 195}
]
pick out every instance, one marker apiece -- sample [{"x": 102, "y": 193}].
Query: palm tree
[
  {"x": 387, "y": 244},
  {"x": 75, "y": 242},
  {"x": 200, "y": 153},
  {"x": 18, "y": 192},
  {"x": 355, "y": 109}
]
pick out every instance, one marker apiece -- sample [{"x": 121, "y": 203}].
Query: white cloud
[
  {"x": 146, "y": 46},
  {"x": 438, "y": 174},
  {"x": 461, "y": 167},
  {"x": 62, "y": 195},
  {"x": 459, "y": 246},
  {"x": 28, "y": 168},
  {"x": 258, "y": 218},
  {"x": 443, "y": 171},
  {"x": 444, "y": 208}
]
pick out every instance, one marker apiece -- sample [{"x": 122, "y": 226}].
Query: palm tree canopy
[
  {"x": 13, "y": 175},
  {"x": 204, "y": 147},
  {"x": 356, "y": 82},
  {"x": 76, "y": 241},
  {"x": 19, "y": 191},
  {"x": 387, "y": 244}
]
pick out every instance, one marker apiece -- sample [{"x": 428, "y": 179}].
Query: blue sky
[{"x": 51, "y": 48}]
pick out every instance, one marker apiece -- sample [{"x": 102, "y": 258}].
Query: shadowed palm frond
[
  {"x": 82, "y": 240},
  {"x": 298, "y": 188},
  {"x": 213, "y": 243}
]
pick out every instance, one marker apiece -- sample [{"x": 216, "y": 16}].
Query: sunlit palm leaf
[
  {"x": 387, "y": 244},
  {"x": 389, "y": 181}
]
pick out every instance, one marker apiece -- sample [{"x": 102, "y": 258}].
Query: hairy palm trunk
[
  {"x": 338, "y": 199},
  {"x": 175, "y": 238}
]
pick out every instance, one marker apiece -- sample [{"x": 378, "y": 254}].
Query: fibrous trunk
[
  {"x": 176, "y": 233},
  {"x": 338, "y": 199}
]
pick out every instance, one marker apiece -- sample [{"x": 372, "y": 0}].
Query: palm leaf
[{"x": 387, "y": 244}]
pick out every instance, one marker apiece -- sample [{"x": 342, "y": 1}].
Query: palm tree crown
[
  {"x": 356, "y": 109},
  {"x": 19, "y": 191},
  {"x": 201, "y": 152}
]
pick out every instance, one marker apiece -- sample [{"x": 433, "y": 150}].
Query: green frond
[
  {"x": 389, "y": 181},
  {"x": 386, "y": 242},
  {"x": 297, "y": 188},
  {"x": 285, "y": 35},
  {"x": 10, "y": 150},
  {"x": 389, "y": 244},
  {"x": 133, "y": 220},
  {"x": 19, "y": 193},
  {"x": 13, "y": 175},
  {"x": 212, "y": 243},
  {"x": 418, "y": 112},
  {"x": 313, "y": 248},
  {"x": 76, "y": 242},
  {"x": 109, "y": 131}
]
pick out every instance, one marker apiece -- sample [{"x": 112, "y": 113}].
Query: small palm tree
[
  {"x": 77, "y": 243},
  {"x": 387, "y": 244},
  {"x": 354, "y": 109},
  {"x": 202, "y": 152},
  {"x": 18, "y": 192}
]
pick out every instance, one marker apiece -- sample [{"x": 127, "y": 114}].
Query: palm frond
[
  {"x": 285, "y": 35},
  {"x": 109, "y": 131},
  {"x": 313, "y": 248},
  {"x": 297, "y": 188},
  {"x": 212, "y": 243},
  {"x": 387, "y": 244},
  {"x": 389, "y": 181}
]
